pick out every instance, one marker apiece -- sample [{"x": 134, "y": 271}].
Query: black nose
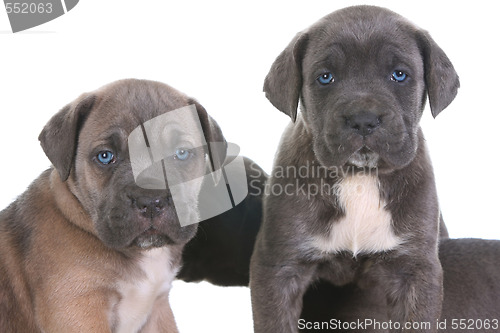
[
  {"x": 363, "y": 123},
  {"x": 150, "y": 206}
]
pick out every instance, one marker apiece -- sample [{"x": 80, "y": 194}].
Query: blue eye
[
  {"x": 182, "y": 154},
  {"x": 106, "y": 157},
  {"x": 398, "y": 76},
  {"x": 325, "y": 78}
]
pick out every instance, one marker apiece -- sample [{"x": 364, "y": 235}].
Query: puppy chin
[
  {"x": 364, "y": 158},
  {"x": 152, "y": 238}
]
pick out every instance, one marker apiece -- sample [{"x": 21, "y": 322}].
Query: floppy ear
[
  {"x": 283, "y": 83},
  {"x": 440, "y": 77},
  {"x": 217, "y": 145},
  {"x": 59, "y": 137}
]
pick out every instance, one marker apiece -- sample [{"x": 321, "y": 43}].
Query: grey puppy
[
  {"x": 85, "y": 249},
  {"x": 352, "y": 195}
]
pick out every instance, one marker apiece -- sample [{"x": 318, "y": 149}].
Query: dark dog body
[
  {"x": 471, "y": 295},
  {"x": 361, "y": 75},
  {"x": 221, "y": 250},
  {"x": 85, "y": 249}
]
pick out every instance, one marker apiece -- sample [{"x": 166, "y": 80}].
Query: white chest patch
[
  {"x": 138, "y": 295},
  {"x": 366, "y": 226}
]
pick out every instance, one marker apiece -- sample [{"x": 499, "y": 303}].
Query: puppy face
[
  {"x": 363, "y": 93},
  {"x": 362, "y": 74},
  {"x": 126, "y": 210}
]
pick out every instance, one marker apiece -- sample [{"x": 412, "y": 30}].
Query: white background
[{"x": 219, "y": 53}]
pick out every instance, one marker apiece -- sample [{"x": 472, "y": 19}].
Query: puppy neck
[{"x": 69, "y": 205}]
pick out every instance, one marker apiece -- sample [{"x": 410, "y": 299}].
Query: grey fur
[
  {"x": 471, "y": 294},
  {"x": 361, "y": 46}
]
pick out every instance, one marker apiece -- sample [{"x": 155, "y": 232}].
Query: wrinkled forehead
[
  {"x": 163, "y": 113},
  {"x": 166, "y": 131},
  {"x": 352, "y": 39}
]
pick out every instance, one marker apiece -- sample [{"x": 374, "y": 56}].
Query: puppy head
[
  {"x": 88, "y": 144},
  {"x": 362, "y": 75}
]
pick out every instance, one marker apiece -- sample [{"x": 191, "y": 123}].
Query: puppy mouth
[
  {"x": 152, "y": 238},
  {"x": 364, "y": 157}
]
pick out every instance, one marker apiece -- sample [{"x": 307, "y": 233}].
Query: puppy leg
[
  {"x": 414, "y": 294},
  {"x": 162, "y": 318},
  {"x": 276, "y": 291}
]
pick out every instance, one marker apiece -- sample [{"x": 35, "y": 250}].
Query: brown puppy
[
  {"x": 353, "y": 197},
  {"x": 86, "y": 249}
]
